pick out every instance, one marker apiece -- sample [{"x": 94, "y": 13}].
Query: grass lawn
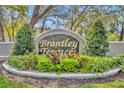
[
  {"x": 6, "y": 83},
  {"x": 114, "y": 84}
]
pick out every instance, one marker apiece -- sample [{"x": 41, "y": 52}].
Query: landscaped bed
[{"x": 78, "y": 66}]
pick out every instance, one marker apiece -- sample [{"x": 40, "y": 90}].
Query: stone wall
[
  {"x": 115, "y": 47},
  {"x": 5, "y": 49}
]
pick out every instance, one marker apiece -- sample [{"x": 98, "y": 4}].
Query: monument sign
[{"x": 60, "y": 41}]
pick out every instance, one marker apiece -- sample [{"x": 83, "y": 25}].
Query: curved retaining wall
[{"x": 63, "y": 75}]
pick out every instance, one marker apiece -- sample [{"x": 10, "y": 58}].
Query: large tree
[
  {"x": 11, "y": 19},
  {"x": 39, "y": 13}
]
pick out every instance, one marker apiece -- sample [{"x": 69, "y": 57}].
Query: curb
[
  {"x": 3, "y": 58},
  {"x": 63, "y": 75}
]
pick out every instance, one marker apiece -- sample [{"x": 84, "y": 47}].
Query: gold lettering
[
  {"x": 43, "y": 50},
  {"x": 58, "y": 44},
  {"x": 75, "y": 45},
  {"x": 43, "y": 43},
  {"x": 66, "y": 42}
]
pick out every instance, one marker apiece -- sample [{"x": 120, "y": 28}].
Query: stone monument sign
[{"x": 60, "y": 41}]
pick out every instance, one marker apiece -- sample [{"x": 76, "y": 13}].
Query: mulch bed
[{"x": 58, "y": 83}]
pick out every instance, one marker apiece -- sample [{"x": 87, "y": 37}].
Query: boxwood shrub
[
  {"x": 65, "y": 65},
  {"x": 100, "y": 65},
  {"x": 23, "y": 62},
  {"x": 68, "y": 64},
  {"x": 44, "y": 64}
]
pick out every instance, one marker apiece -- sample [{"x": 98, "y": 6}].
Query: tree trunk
[
  {"x": 8, "y": 33},
  {"x": 13, "y": 31},
  {"x": 2, "y": 38},
  {"x": 43, "y": 25},
  {"x": 39, "y": 13},
  {"x": 34, "y": 15},
  {"x": 122, "y": 33}
]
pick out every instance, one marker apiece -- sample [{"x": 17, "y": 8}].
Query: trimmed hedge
[
  {"x": 99, "y": 65},
  {"x": 44, "y": 64},
  {"x": 23, "y": 62}
]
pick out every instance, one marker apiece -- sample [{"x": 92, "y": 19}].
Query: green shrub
[
  {"x": 122, "y": 67},
  {"x": 120, "y": 55},
  {"x": 112, "y": 37},
  {"x": 24, "y": 41},
  {"x": 44, "y": 64},
  {"x": 99, "y": 65},
  {"x": 58, "y": 69},
  {"x": 120, "y": 58},
  {"x": 96, "y": 40},
  {"x": 23, "y": 62},
  {"x": 80, "y": 63},
  {"x": 68, "y": 64}
]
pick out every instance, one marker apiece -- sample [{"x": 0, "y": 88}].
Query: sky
[{"x": 50, "y": 25}]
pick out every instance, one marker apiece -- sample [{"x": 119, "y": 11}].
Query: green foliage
[
  {"x": 23, "y": 62},
  {"x": 99, "y": 65},
  {"x": 112, "y": 37},
  {"x": 80, "y": 63},
  {"x": 6, "y": 83},
  {"x": 113, "y": 84},
  {"x": 120, "y": 57},
  {"x": 122, "y": 67},
  {"x": 68, "y": 64},
  {"x": 24, "y": 41},
  {"x": 65, "y": 65},
  {"x": 96, "y": 37},
  {"x": 44, "y": 64},
  {"x": 58, "y": 69}
]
